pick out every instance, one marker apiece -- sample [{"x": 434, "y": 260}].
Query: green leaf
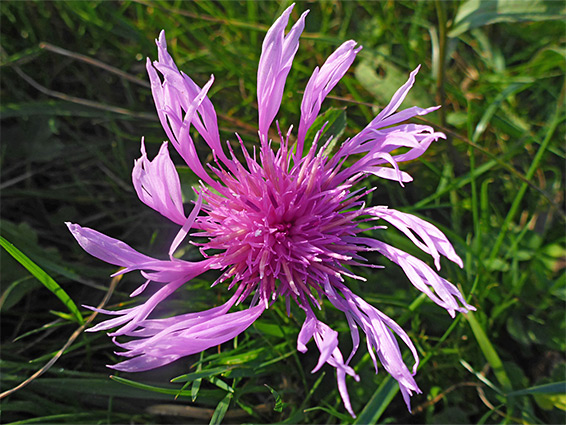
[
  {"x": 335, "y": 120},
  {"x": 196, "y": 383},
  {"x": 480, "y": 376},
  {"x": 221, "y": 409},
  {"x": 378, "y": 402},
  {"x": 273, "y": 329},
  {"x": 492, "y": 109},
  {"x": 43, "y": 277},
  {"x": 42, "y": 328},
  {"x": 332, "y": 411},
  {"x": 160, "y": 390},
  {"x": 489, "y": 352},
  {"x": 195, "y": 389},
  {"x": 21, "y": 57},
  {"x": 202, "y": 374},
  {"x": 550, "y": 401},
  {"x": 477, "y": 13},
  {"x": 279, "y": 405},
  {"x": 16, "y": 290},
  {"x": 553, "y": 388},
  {"x": 73, "y": 384},
  {"x": 220, "y": 384}
]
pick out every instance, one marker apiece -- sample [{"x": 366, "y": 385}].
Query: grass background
[{"x": 75, "y": 103}]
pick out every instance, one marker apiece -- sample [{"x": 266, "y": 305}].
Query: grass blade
[
  {"x": 489, "y": 352},
  {"x": 378, "y": 402},
  {"x": 553, "y": 388},
  {"x": 221, "y": 410},
  {"x": 172, "y": 391},
  {"x": 44, "y": 278}
]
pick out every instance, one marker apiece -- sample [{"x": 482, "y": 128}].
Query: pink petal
[
  {"x": 326, "y": 341},
  {"x": 157, "y": 184},
  {"x": 320, "y": 84},
  {"x": 275, "y": 62},
  {"x": 186, "y": 338},
  {"x": 435, "y": 241}
]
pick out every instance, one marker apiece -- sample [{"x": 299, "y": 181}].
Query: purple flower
[{"x": 280, "y": 223}]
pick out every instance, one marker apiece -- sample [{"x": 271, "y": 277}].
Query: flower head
[{"x": 281, "y": 223}]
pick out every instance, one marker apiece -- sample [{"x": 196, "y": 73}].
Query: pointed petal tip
[
  {"x": 351, "y": 412},
  {"x": 161, "y": 40},
  {"x": 74, "y": 228},
  {"x": 317, "y": 367},
  {"x": 429, "y": 110}
]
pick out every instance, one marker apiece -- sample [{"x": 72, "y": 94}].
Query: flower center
[
  {"x": 278, "y": 227},
  {"x": 280, "y": 231}
]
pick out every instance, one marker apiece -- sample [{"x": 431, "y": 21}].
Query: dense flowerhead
[
  {"x": 280, "y": 226},
  {"x": 281, "y": 221}
]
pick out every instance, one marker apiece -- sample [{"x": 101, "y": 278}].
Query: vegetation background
[{"x": 75, "y": 103}]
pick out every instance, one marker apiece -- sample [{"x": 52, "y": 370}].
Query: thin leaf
[
  {"x": 332, "y": 411},
  {"x": 196, "y": 383},
  {"x": 334, "y": 122},
  {"x": 378, "y": 402},
  {"x": 221, "y": 410},
  {"x": 279, "y": 405},
  {"x": 202, "y": 374},
  {"x": 553, "y": 388},
  {"x": 480, "y": 376},
  {"x": 489, "y": 352},
  {"x": 99, "y": 387},
  {"x": 43, "y": 277},
  {"x": 220, "y": 384},
  {"x": 152, "y": 388}
]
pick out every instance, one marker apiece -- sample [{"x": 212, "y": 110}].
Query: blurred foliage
[{"x": 75, "y": 104}]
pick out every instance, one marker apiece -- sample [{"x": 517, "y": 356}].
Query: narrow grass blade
[
  {"x": 331, "y": 411},
  {"x": 220, "y": 384},
  {"x": 378, "y": 402},
  {"x": 201, "y": 374},
  {"x": 553, "y": 388},
  {"x": 171, "y": 391},
  {"x": 489, "y": 352},
  {"x": 221, "y": 410},
  {"x": 43, "y": 277},
  {"x": 279, "y": 405}
]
